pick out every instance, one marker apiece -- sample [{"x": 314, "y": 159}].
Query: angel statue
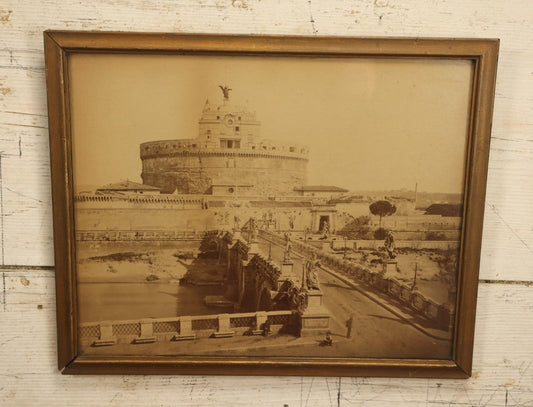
[
  {"x": 225, "y": 91},
  {"x": 311, "y": 275},
  {"x": 389, "y": 245},
  {"x": 236, "y": 223},
  {"x": 288, "y": 246}
]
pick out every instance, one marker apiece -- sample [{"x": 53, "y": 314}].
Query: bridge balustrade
[
  {"x": 165, "y": 329},
  {"x": 441, "y": 314}
]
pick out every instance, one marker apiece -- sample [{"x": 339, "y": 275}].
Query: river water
[
  {"x": 121, "y": 301},
  {"x": 121, "y": 290}
]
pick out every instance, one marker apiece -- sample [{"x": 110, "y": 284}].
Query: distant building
[
  {"x": 128, "y": 187},
  {"x": 228, "y": 150},
  {"x": 320, "y": 191},
  {"x": 445, "y": 209}
]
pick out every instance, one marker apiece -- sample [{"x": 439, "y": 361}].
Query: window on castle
[
  {"x": 225, "y": 143},
  {"x": 236, "y": 128}
]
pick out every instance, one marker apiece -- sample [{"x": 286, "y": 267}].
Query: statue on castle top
[{"x": 225, "y": 91}]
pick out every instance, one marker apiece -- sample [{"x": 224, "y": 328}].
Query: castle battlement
[
  {"x": 265, "y": 148},
  {"x": 227, "y": 151}
]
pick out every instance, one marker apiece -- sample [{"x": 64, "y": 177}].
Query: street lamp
[{"x": 345, "y": 241}]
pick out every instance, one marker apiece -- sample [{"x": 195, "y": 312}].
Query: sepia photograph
[{"x": 281, "y": 206}]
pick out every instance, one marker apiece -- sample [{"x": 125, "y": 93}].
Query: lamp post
[
  {"x": 345, "y": 242},
  {"x": 414, "y": 278}
]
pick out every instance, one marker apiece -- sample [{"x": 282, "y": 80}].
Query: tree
[
  {"x": 381, "y": 209},
  {"x": 356, "y": 229}
]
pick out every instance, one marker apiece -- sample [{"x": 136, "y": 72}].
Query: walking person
[{"x": 349, "y": 324}]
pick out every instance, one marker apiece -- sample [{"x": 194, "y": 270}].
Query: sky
[{"x": 370, "y": 124}]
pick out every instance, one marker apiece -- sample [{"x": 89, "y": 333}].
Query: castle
[
  {"x": 227, "y": 169},
  {"x": 228, "y": 158}
]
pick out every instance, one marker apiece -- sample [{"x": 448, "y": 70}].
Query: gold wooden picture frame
[{"x": 342, "y": 240}]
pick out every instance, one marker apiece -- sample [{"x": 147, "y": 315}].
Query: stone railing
[
  {"x": 154, "y": 148},
  {"x": 193, "y": 200},
  {"x": 180, "y": 328},
  {"x": 169, "y": 149},
  {"x": 408, "y": 244},
  {"x": 139, "y": 235},
  {"x": 440, "y": 314}
]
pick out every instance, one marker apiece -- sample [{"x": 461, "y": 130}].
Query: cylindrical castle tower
[{"x": 227, "y": 158}]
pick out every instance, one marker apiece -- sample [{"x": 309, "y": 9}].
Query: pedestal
[
  {"x": 253, "y": 248},
  {"x": 106, "y": 335},
  {"x": 315, "y": 318},
  {"x": 314, "y": 299},
  {"x": 147, "y": 333},
  {"x": 390, "y": 266},
  {"x": 186, "y": 332},
  {"x": 223, "y": 327},
  {"x": 287, "y": 268}
]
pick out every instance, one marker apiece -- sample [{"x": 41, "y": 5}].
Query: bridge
[{"x": 265, "y": 286}]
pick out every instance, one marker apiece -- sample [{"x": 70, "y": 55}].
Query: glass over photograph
[{"x": 268, "y": 206}]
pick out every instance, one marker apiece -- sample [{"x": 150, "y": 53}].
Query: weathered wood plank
[
  {"x": 503, "y": 350},
  {"x": 503, "y": 367},
  {"x": 23, "y": 108}
]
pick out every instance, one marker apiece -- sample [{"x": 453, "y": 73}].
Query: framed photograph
[{"x": 267, "y": 205}]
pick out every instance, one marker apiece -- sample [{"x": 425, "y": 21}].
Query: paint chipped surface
[{"x": 5, "y": 15}]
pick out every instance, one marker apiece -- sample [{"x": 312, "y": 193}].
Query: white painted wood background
[{"x": 503, "y": 355}]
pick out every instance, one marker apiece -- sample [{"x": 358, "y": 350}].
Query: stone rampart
[
  {"x": 138, "y": 235},
  {"x": 196, "y": 170}
]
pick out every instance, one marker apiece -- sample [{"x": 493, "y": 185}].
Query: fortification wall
[
  {"x": 163, "y": 218},
  {"x": 144, "y": 219},
  {"x": 194, "y": 172}
]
